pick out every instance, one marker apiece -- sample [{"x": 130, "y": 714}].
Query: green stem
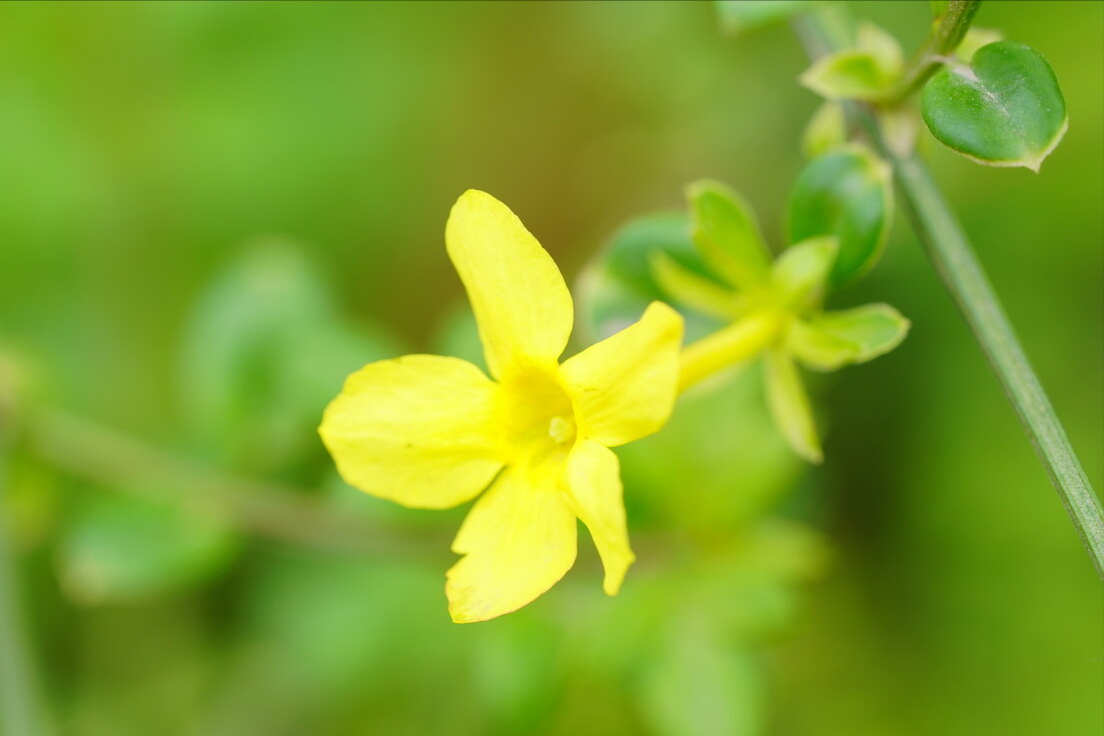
[
  {"x": 20, "y": 704},
  {"x": 943, "y": 40},
  {"x": 953, "y": 257},
  {"x": 962, "y": 274},
  {"x": 95, "y": 452}
]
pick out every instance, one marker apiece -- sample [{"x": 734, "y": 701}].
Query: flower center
[
  {"x": 536, "y": 415},
  {"x": 561, "y": 429}
]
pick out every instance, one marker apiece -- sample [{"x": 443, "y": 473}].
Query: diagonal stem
[{"x": 962, "y": 274}]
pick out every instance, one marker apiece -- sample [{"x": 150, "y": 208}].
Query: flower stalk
[{"x": 728, "y": 346}]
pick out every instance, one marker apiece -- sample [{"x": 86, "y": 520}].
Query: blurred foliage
[{"x": 211, "y": 212}]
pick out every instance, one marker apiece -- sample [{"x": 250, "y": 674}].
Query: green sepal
[
  {"x": 826, "y": 130},
  {"x": 800, "y": 275},
  {"x": 834, "y": 339},
  {"x": 848, "y": 193},
  {"x": 866, "y": 72},
  {"x": 688, "y": 289},
  {"x": 789, "y": 404},
  {"x": 727, "y": 235},
  {"x": 1004, "y": 108},
  {"x": 739, "y": 16},
  {"x": 619, "y": 281}
]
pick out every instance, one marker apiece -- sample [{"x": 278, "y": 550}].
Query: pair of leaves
[{"x": 995, "y": 102}]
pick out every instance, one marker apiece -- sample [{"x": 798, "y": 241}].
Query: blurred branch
[
  {"x": 21, "y": 711},
  {"x": 953, "y": 257},
  {"x": 93, "y": 451}
]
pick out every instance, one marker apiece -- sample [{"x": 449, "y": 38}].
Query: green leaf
[
  {"x": 727, "y": 235},
  {"x": 264, "y": 353},
  {"x": 800, "y": 274},
  {"x": 866, "y": 72},
  {"x": 938, "y": 8},
  {"x": 121, "y": 548},
  {"x": 834, "y": 339},
  {"x": 738, "y": 16},
  {"x": 618, "y": 283},
  {"x": 848, "y": 193},
  {"x": 789, "y": 405},
  {"x": 1004, "y": 108},
  {"x": 825, "y": 130}
]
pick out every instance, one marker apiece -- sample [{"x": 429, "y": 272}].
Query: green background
[{"x": 146, "y": 150}]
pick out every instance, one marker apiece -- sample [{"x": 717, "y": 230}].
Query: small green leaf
[
  {"x": 848, "y": 193},
  {"x": 834, "y": 339},
  {"x": 1004, "y": 108},
  {"x": 123, "y": 548},
  {"x": 738, "y": 16},
  {"x": 800, "y": 274},
  {"x": 727, "y": 235},
  {"x": 866, "y": 72},
  {"x": 826, "y": 130},
  {"x": 695, "y": 292},
  {"x": 789, "y": 405},
  {"x": 266, "y": 349}
]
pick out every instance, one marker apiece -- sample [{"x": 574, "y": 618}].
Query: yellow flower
[{"x": 433, "y": 432}]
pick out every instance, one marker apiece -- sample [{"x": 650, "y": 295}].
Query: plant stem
[
  {"x": 954, "y": 259},
  {"x": 943, "y": 40},
  {"x": 95, "y": 452},
  {"x": 726, "y": 347},
  {"x": 266, "y": 509},
  {"x": 962, "y": 274},
  {"x": 20, "y": 704}
]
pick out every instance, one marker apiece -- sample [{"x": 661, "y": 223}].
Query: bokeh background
[{"x": 211, "y": 212}]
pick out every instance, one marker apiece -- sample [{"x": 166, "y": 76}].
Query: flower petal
[
  {"x": 418, "y": 430},
  {"x": 624, "y": 387},
  {"x": 594, "y": 480},
  {"x": 519, "y": 298},
  {"x": 518, "y": 540}
]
